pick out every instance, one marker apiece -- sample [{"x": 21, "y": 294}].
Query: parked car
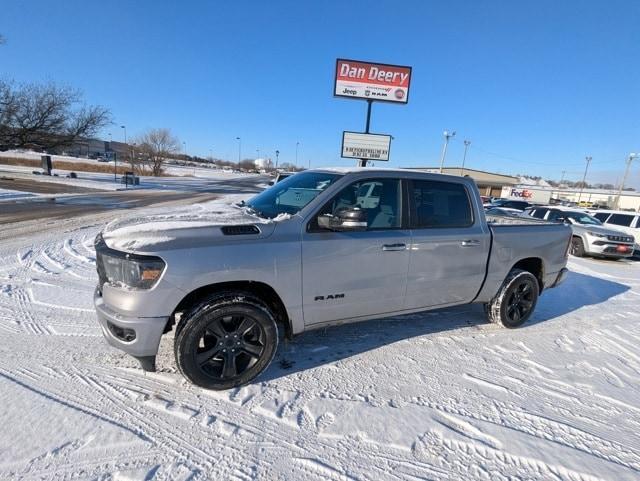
[
  {"x": 627, "y": 222},
  {"x": 322, "y": 247},
  {"x": 501, "y": 211},
  {"x": 589, "y": 236},
  {"x": 519, "y": 205}
]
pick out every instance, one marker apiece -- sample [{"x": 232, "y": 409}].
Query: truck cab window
[
  {"x": 380, "y": 198},
  {"x": 440, "y": 204}
]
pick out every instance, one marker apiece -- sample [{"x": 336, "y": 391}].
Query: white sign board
[{"x": 365, "y": 146}]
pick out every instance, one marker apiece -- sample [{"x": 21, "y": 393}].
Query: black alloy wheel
[
  {"x": 516, "y": 299},
  {"x": 520, "y": 302},
  {"x": 229, "y": 345},
  {"x": 226, "y": 340}
]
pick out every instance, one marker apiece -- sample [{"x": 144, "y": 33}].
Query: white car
[{"x": 628, "y": 222}]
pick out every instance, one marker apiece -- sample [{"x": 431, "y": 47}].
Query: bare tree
[
  {"x": 46, "y": 116},
  {"x": 154, "y": 147}
]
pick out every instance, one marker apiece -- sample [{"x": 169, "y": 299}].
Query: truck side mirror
[{"x": 350, "y": 219}]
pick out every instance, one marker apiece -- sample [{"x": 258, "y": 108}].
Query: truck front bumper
[{"x": 137, "y": 336}]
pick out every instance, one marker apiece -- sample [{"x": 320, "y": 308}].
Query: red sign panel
[{"x": 372, "y": 81}]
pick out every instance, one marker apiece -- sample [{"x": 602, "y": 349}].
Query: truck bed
[
  {"x": 515, "y": 238},
  {"x": 505, "y": 220}
]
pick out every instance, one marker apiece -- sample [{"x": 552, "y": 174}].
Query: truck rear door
[{"x": 450, "y": 244}]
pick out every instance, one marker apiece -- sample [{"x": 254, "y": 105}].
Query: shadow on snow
[{"x": 317, "y": 347}]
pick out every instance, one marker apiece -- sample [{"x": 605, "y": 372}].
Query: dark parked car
[{"x": 510, "y": 204}]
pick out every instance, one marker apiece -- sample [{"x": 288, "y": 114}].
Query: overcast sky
[{"x": 536, "y": 86}]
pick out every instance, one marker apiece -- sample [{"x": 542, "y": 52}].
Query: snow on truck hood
[{"x": 187, "y": 227}]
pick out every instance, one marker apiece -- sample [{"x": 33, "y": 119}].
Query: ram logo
[{"x": 329, "y": 297}]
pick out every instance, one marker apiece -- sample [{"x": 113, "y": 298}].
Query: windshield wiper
[{"x": 252, "y": 210}]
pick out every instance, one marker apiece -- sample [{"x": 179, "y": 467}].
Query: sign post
[{"x": 373, "y": 82}]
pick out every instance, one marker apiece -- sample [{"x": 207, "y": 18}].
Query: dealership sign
[
  {"x": 365, "y": 146},
  {"x": 372, "y": 81}
]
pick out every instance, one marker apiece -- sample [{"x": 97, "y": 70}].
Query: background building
[{"x": 489, "y": 183}]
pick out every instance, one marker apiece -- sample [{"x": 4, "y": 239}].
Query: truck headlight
[
  {"x": 130, "y": 271},
  {"x": 135, "y": 273},
  {"x": 596, "y": 234}
]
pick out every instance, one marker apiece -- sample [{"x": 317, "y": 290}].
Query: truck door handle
[
  {"x": 394, "y": 247},
  {"x": 470, "y": 243}
]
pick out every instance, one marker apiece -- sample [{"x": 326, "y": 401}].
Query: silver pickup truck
[{"x": 321, "y": 247}]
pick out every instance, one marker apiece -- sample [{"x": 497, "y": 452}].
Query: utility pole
[
  {"x": 277, "y": 155},
  {"x": 239, "y": 148},
  {"x": 588, "y": 159},
  {"x": 447, "y": 136},
  {"x": 624, "y": 177},
  {"x": 562, "y": 177},
  {"x": 464, "y": 157}
]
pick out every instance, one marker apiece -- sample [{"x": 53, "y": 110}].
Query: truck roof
[{"x": 408, "y": 172}]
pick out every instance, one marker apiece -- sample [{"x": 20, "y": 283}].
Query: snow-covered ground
[
  {"x": 101, "y": 181},
  {"x": 170, "y": 168},
  {"x": 440, "y": 395}
]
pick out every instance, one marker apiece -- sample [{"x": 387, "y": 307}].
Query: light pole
[
  {"x": 467, "y": 143},
  {"x": 562, "y": 178},
  {"x": 239, "y": 148},
  {"x": 297, "y": 144},
  {"x": 632, "y": 156},
  {"x": 277, "y": 155},
  {"x": 184, "y": 150},
  {"x": 115, "y": 164},
  {"x": 447, "y": 136},
  {"x": 588, "y": 159}
]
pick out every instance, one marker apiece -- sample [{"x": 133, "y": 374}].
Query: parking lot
[{"x": 438, "y": 395}]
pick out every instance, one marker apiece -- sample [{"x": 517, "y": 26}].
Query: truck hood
[{"x": 188, "y": 229}]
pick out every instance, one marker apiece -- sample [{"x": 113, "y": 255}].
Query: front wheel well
[
  {"x": 262, "y": 291},
  {"x": 535, "y": 266}
]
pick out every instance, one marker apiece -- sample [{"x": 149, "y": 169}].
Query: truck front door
[{"x": 347, "y": 275}]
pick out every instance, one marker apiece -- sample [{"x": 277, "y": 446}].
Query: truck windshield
[{"x": 292, "y": 194}]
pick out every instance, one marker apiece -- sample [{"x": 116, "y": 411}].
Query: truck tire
[
  {"x": 225, "y": 341},
  {"x": 577, "y": 247},
  {"x": 516, "y": 300}
]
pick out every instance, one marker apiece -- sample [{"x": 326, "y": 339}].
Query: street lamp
[
  {"x": 277, "y": 155},
  {"x": 115, "y": 163},
  {"x": 447, "y": 136},
  {"x": 467, "y": 143},
  {"x": 297, "y": 144},
  {"x": 588, "y": 159},
  {"x": 632, "y": 156},
  {"x": 239, "y": 148}
]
